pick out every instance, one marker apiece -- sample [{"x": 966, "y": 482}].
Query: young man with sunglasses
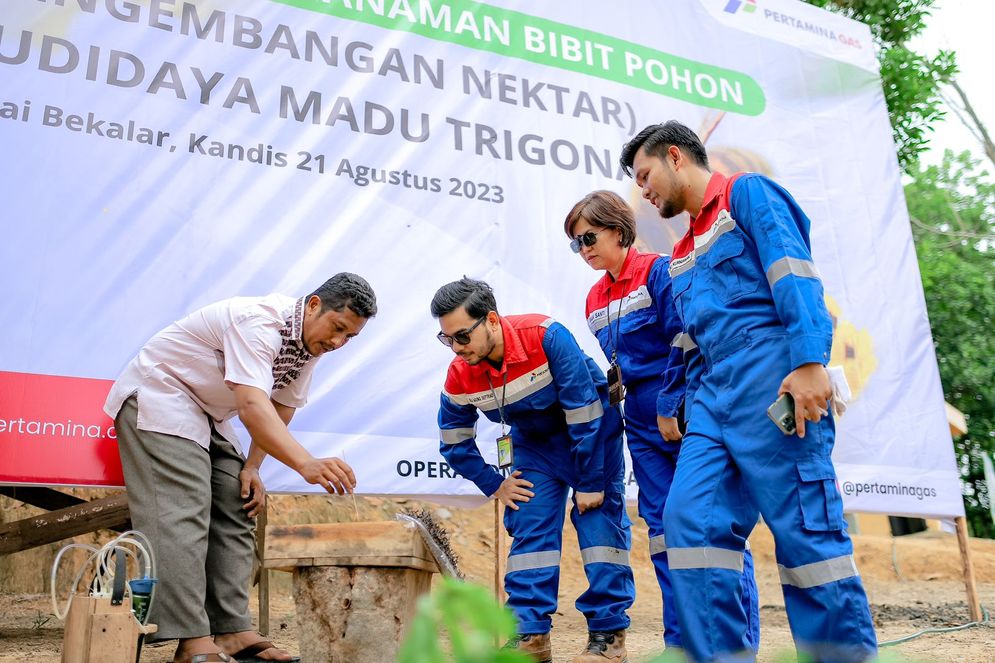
[
  {"x": 752, "y": 303},
  {"x": 527, "y": 373}
]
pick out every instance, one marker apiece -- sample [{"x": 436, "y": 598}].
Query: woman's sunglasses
[
  {"x": 462, "y": 336},
  {"x": 589, "y": 239}
]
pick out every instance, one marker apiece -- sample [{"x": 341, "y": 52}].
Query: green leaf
[{"x": 472, "y": 621}]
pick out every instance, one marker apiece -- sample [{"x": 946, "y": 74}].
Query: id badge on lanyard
[{"x": 505, "y": 451}]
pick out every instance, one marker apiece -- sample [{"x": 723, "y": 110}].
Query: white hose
[
  {"x": 72, "y": 588},
  {"x": 132, "y": 543}
]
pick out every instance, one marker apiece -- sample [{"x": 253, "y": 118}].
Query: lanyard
[
  {"x": 500, "y": 404},
  {"x": 612, "y": 337}
]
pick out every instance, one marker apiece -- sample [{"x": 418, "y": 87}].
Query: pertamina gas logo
[{"x": 748, "y": 6}]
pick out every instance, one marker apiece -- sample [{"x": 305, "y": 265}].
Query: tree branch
[
  {"x": 950, "y": 233},
  {"x": 986, "y": 140}
]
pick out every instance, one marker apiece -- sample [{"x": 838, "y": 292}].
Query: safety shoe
[
  {"x": 604, "y": 647},
  {"x": 536, "y": 645}
]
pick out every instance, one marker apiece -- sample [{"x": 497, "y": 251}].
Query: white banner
[{"x": 161, "y": 155}]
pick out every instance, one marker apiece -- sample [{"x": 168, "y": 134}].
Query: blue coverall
[
  {"x": 565, "y": 436},
  {"x": 634, "y": 320},
  {"x": 751, "y": 300}
]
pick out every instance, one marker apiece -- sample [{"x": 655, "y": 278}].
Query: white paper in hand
[{"x": 841, "y": 390}]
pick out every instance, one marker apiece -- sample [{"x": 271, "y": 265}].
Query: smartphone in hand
[{"x": 782, "y": 413}]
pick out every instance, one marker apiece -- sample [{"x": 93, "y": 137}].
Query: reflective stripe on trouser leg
[
  {"x": 533, "y": 573},
  {"x": 605, "y": 541},
  {"x": 821, "y": 581},
  {"x": 653, "y": 463},
  {"x": 706, "y": 523}
]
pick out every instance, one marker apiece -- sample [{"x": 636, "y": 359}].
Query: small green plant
[
  {"x": 460, "y": 623},
  {"x": 669, "y": 657}
]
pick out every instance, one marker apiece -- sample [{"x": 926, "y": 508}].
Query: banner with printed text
[{"x": 160, "y": 155}]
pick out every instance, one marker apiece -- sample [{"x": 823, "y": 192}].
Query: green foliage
[
  {"x": 911, "y": 81},
  {"x": 953, "y": 203},
  {"x": 953, "y": 211},
  {"x": 472, "y": 621},
  {"x": 668, "y": 657}
]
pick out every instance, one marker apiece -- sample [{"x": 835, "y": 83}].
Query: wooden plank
[
  {"x": 106, "y": 513},
  {"x": 50, "y": 500},
  {"x": 343, "y": 540},
  {"x": 967, "y": 564},
  {"x": 406, "y": 562}
]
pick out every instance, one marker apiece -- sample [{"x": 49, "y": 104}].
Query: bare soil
[{"x": 914, "y": 583}]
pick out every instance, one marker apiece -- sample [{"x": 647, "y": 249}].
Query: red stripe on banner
[{"x": 53, "y": 431}]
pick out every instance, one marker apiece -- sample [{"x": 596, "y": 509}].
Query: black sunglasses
[
  {"x": 462, "y": 336},
  {"x": 588, "y": 239}
]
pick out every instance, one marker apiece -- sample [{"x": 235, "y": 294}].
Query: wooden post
[
  {"x": 968, "y": 565},
  {"x": 500, "y": 556},
  {"x": 263, "y": 594}
]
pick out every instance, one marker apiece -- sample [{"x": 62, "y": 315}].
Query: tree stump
[
  {"x": 354, "y": 613},
  {"x": 355, "y": 586}
]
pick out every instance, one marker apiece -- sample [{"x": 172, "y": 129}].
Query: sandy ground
[{"x": 913, "y": 583}]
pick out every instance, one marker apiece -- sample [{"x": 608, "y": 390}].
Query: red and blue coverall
[
  {"x": 635, "y": 322},
  {"x": 751, "y": 301},
  {"x": 555, "y": 399}
]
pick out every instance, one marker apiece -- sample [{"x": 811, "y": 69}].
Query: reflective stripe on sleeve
[
  {"x": 604, "y": 555},
  {"x": 533, "y": 560},
  {"x": 818, "y": 573},
  {"x": 705, "y": 558},
  {"x": 583, "y": 415},
  {"x": 781, "y": 268},
  {"x": 456, "y": 435},
  {"x": 657, "y": 544}
]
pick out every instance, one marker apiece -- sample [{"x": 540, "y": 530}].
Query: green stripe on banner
[{"x": 518, "y": 35}]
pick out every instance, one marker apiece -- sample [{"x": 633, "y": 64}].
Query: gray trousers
[{"x": 187, "y": 500}]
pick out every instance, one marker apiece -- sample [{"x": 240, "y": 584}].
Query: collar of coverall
[
  {"x": 514, "y": 353},
  {"x": 624, "y": 274},
  {"x": 716, "y": 185}
]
